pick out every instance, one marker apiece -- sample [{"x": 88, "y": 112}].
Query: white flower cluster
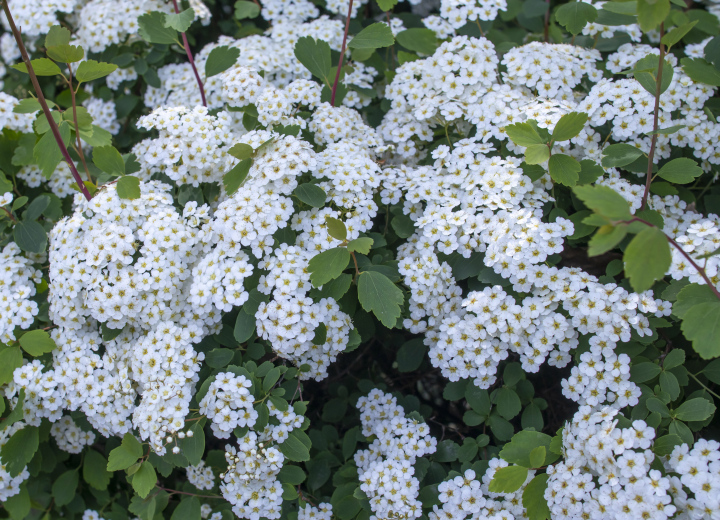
[
  {"x": 606, "y": 471},
  {"x": 9, "y": 485},
  {"x": 229, "y": 404},
  {"x": 386, "y": 468},
  {"x": 323, "y": 511},
  {"x": 69, "y": 436},
  {"x": 17, "y": 287},
  {"x": 103, "y": 113},
  {"x": 696, "y": 470},
  {"x": 608, "y": 31},
  {"x": 37, "y": 16},
  {"x": 201, "y": 476},
  {"x": 59, "y": 182},
  {"x": 459, "y": 12},
  {"x": 12, "y": 120}
]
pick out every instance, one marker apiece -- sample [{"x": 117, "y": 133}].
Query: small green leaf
[
  {"x": 519, "y": 449},
  {"x": 47, "y": 153},
  {"x": 95, "y": 470},
  {"x": 666, "y": 444},
  {"x": 328, "y": 265},
  {"x": 386, "y": 5},
  {"x": 533, "y": 497},
  {"x": 221, "y": 59},
  {"x": 652, "y": 13},
  {"x": 290, "y": 474},
  {"x": 618, "y": 155},
  {"x": 564, "y": 169},
  {"x": 508, "y": 479},
  {"x": 233, "y": 179},
  {"x": 311, "y": 194},
  {"x": 647, "y": 258},
  {"x": 10, "y": 359},
  {"x": 411, "y": 355},
  {"x": 90, "y": 70},
  {"x": 691, "y": 295},
  {"x": 537, "y": 154},
  {"x": 701, "y": 71},
  {"x": 569, "y": 125},
  {"x": 151, "y": 28},
  {"x": 697, "y": 409},
  {"x": 144, "y": 479},
  {"x": 360, "y": 245},
  {"x": 537, "y": 457},
  {"x": 109, "y": 160},
  {"x": 181, "y": 21},
  {"x": 128, "y": 187},
  {"x": 606, "y": 238},
  {"x": 574, "y": 16},
  {"x": 57, "y": 35},
  {"x": 125, "y": 455},
  {"x": 643, "y": 372},
  {"x": 64, "y": 487},
  {"x": 37, "y": 342},
  {"x": 30, "y": 236},
  {"x": 19, "y": 450},
  {"x": 523, "y": 134},
  {"x": 194, "y": 447},
  {"x": 65, "y": 53},
  {"x": 604, "y": 201},
  {"x": 680, "y": 171},
  {"x": 315, "y": 56},
  {"x": 244, "y": 327},
  {"x": 41, "y": 67},
  {"x": 374, "y": 36},
  {"x": 295, "y": 447},
  {"x": 378, "y": 294},
  {"x": 336, "y": 228},
  {"x": 241, "y": 151},
  {"x": 245, "y": 10},
  {"x": 701, "y": 325},
  {"x": 423, "y": 41},
  {"x": 678, "y": 33}
]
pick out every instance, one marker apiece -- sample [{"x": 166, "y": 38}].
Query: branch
[
  {"x": 41, "y": 98},
  {"x": 653, "y": 140},
  {"x": 342, "y": 54},
  {"x": 190, "y": 58}
]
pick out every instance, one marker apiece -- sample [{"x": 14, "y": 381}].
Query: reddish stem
[
  {"x": 653, "y": 140},
  {"x": 41, "y": 99},
  {"x": 342, "y": 54},
  {"x": 190, "y": 58}
]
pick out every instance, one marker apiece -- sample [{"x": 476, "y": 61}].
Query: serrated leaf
[
  {"x": 109, "y": 160},
  {"x": 678, "y": 33},
  {"x": 618, "y": 155},
  {"x": 423, "y": 41},
  {"x": 377, "y": 294},
  {"x": 697, "y": 409},
  {"x": 386, "y": 5},
  {"x": 144, "y": 479},
  {"x": 47, "y": 153},
  {"x": 537, "y": 154},
  {"x": 523, "y": 134},
  {"x": 604, "y": 201},
  {"x": 40, "y": 66},
  {"x": 701, "y": 325},
  {"x": 522, "y": 444},
  {"x": 606, "y": 238},
  {"x": 311, "y": 194},
  {"x": 328, "y": 265},
  {"x": 375, "y": 36},
  {"x": 315, "y": 56},
  {"x": 241, "y": 151},
  {"x": 508, "y": 479},
  {"x": 65, "y": 53},
  {"x": 125, "y": 455},
  {"x": 666, "y": 444},
  {"x": 221, "y": 59},
  {"x": 151, "y": 28},
  {"x": 30, "y": 236},
  {"x": 691, "y": 295},
  {"x": 128, "y": 187},
  {"x": 564, "y": 169},
  {"x": 701, "y": 71},
  {"x": 245, "y": 10},
  {"x": 647, "y": 258},
  {"x": 650, "y": 14},
  {"x": 37, "y": 342},
  {"x": 336, "y": 228},
  {"x": 57, "y": 35},
  {"x": 533, "y": 498},
  {"x": 646, "y": 71},
  {"x": 181, "y": 21},
  {"x": 90, "y": 70},
  {"x": 19, "y": 450},
  {"x": 574, "y": 16},
  {"x": 680, "y": 171},
  {"x": 569, "y": 125},
  {"x": 95, "y": 470},
  {"x": 64, "y": 487},
  {"x": 233, "y": 179}
]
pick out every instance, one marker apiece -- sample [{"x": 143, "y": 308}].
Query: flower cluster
[
  {"x": 228, "y": 404},
  {"x": 17, "y": 287}
]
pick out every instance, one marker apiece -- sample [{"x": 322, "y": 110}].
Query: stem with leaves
[
  {"x": 41, "y": 99},
  {"x": 77, "y": 127},
  {"x": 342, "y": 54},
  {"x": 653, "y": 140},
  {"x": 190, "y": 58}
]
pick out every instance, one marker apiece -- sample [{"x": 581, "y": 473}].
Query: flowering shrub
[{"x": 368, "y": 260}]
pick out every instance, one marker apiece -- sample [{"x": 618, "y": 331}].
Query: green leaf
[
  {"x": 95, "y": 470},
  {"x": 675, "y": 358},
  {"x": 697, "y": 409},
  {"x": 10, "y": 359},
  {"x": 360, "y": 245},
  {"x": 606, "y": 238},
  {"x": 652, "y": 13},
  {"x": 386, "y": 5},
  {"x": 537, "y": 153},
  {"x": 701, "y": 325},
  {"x": 678, "y": 33},
  {"x": 125, "y": 455},
  {"x": 374, "y": 36},
  {"x": 657, "y": 406},
  {"x": 447, "y": 451},
  {"x": 290, "y": 474},
  {"x": 41, "y": 67},
  {"x": 30, "y": 236},
  {"x": 646, "y": 71},
  {"x": 569, "y": 125},
  {"x": 47, "y": 153},
  {"x": 701, "y": 71},
  {"x": 336, "y": 228},
  {"x": 244, "y": 327},
  {"x": 508, "y": 479},
  {"x": 403, "y": 226},
  {"x": 411, "y": 355},
  {"x": 590, "y": 171},
  {"x": 194, "y": 447},
  {"x": 187, "y": 509},
  {"x": 311, "y": 194},
  {"x": 647, "y": 258},
  {"x": 680, "y": 171},
  {"x": 508, "y": 403},
  {"x": 523, "y": 134},
  {"x": 537, "y": 457},
  {"x": 691, "y": 295},
  {"x": 90, "y": 70},
  {"x": 564, "y": 169},
  {"x": 618, "y": 155},
  {"x": 144, "y": 479},
  {"x": 669, "y": 384},
  {"x": 109, "y": 160},
  {"x": 478, "y": 399},
  {"x": 336, "y": 288},
  {"x": 64, "y": 487},
  {"x": 242, "y": 151},
  {"x": 643, "y": 372},
  {"x": 151, "y": 28},
  {"x": 37, "y": 342},
  {"x": 65, "y": 53},
  {"x": 378, "y": 294},
  {"x": 666, "y": 444},
  {"x": 418, "y": 40},
  {"x": 19, "y": 450},
  {"x": 315, "y": 56},
  {"x": 575, "y": 15},
  {"x": 233, "y": 179},
  {"x": 294, "y": 448},
  {"x": 181, "y": 21},
  {"x": 28, "y": 106},
  {"x": 604, "y": 201},
  {"x": 57, "y": 35},
  {"x": 220, "y": 60},
  {"x": 522, "y": 444},
  {"x": 328, "y": 265},
  {"x": 533, "y": 497},
  {"x": 246, "y": 10},
  {"x": 128, "y": 187}
]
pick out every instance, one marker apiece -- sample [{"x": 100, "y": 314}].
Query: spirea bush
[{"x": 359, "y": 260}]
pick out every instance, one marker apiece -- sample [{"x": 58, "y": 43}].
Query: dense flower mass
[{"x": 359, "y": 260}]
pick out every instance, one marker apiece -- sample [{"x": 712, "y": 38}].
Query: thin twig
[
  {"x": 190, "y": 58},
  {"x": 342, "y": 54},
  {"x": 77, "y": 127},
  {"x": 175, "y": 491},
  {"x": 653, "y": 140},
  {"x": 705, "y": 387},
  {"x": 41, "y": 98}
]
